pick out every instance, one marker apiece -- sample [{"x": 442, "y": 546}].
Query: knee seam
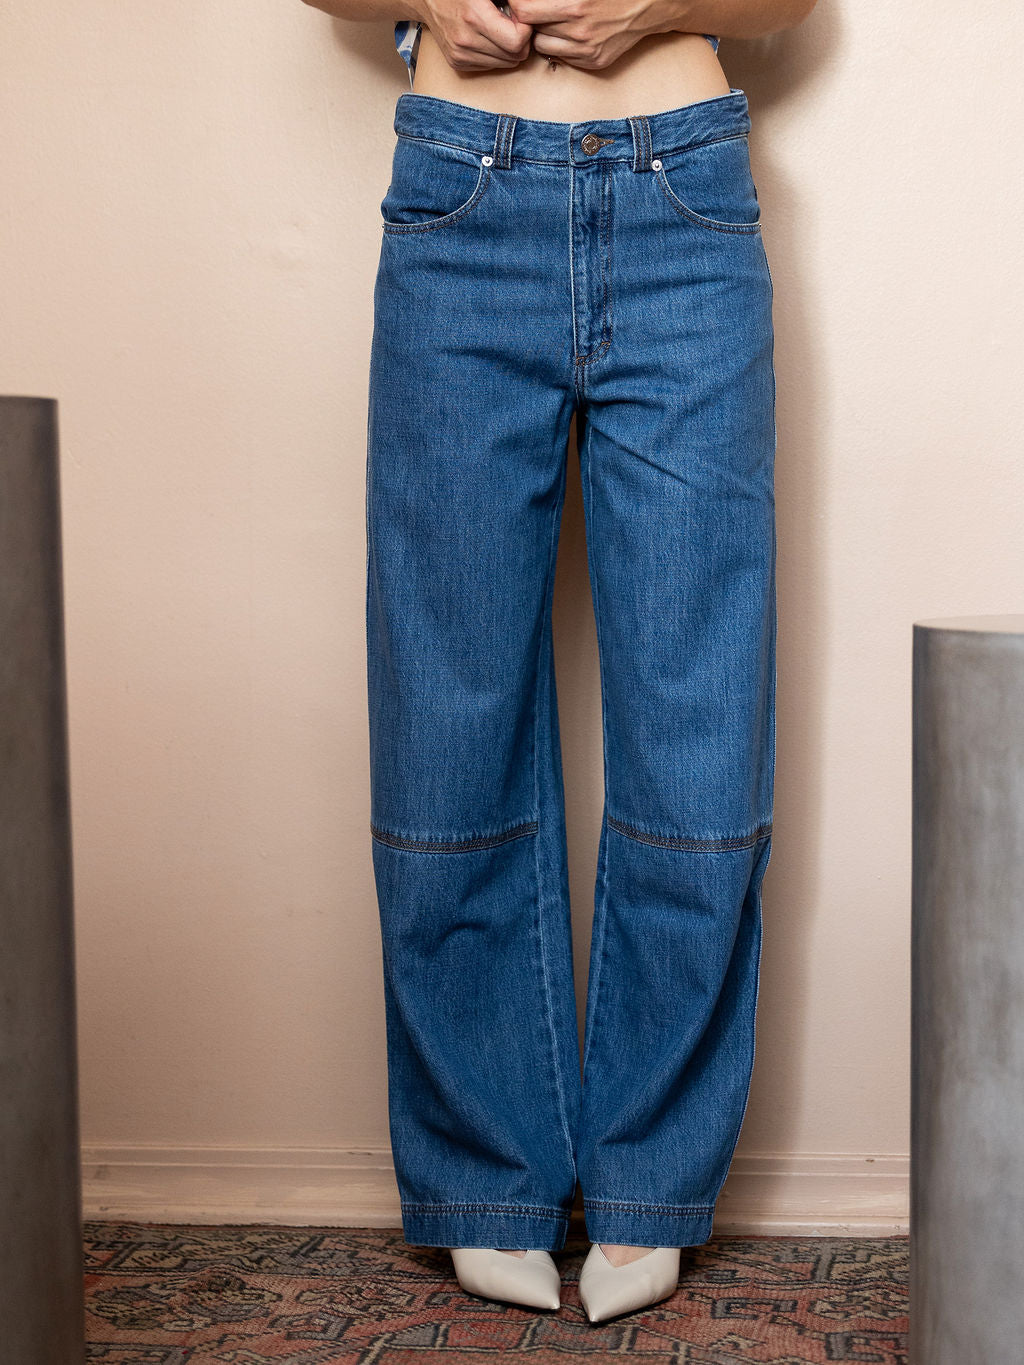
[
  {"x": 458, "y": 845},
  {"x": 725, "y": 842}
]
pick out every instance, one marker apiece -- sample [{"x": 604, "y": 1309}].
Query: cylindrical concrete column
[
  {"x": 967, "y": 993},
  {"x": 41, "y": 1286}
]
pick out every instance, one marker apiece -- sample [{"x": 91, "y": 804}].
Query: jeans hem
[
  {"x": 665, "y": 1225},
  {"x": 516, "y": 1227}
]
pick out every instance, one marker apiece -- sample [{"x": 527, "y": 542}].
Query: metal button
[{"x": 591, "y": 143}]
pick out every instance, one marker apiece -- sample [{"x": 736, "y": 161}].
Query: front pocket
[
  {"x": 712, "y": 185},
  {"x": 432, "y": 184}
]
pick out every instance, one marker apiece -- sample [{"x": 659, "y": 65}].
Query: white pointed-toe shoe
[
  {"x": 532, "y": 1280},
  {"x": 607, "y": 1290}
]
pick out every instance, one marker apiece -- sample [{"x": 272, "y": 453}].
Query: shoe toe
[
  {"x": 532, "y": 1280},
  {"x": 607, "y": 1290}
]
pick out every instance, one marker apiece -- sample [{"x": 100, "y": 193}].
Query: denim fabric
[{"x": 530, "y": 270}]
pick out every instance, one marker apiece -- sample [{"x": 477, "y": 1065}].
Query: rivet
[
  {"x": 655, "y": 165},
  {"x": 487, "y": 160}
]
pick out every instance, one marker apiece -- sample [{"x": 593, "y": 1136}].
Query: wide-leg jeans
[{"x": 532, "y": 270}]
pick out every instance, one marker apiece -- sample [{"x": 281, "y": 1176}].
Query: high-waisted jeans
[{"x": 532, "y": 270}]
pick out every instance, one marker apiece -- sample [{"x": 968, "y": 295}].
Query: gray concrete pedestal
[{"x": 967, "y": 993}]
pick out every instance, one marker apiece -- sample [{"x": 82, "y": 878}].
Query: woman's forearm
[{"x": 370, "y": 9}]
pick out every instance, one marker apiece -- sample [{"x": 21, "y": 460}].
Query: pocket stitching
[
  {"x": 401, "y": 229},
  {"x": 714, "y": 224}
]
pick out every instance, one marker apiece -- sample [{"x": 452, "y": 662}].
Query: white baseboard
[
  {"x": 808, "y": 1193},
  {"x": 788, "y": 1195}
]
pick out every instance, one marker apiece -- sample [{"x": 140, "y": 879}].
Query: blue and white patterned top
[{"x": 407, "y": 40}]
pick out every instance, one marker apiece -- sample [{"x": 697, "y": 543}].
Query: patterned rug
[{"x": 176, "y": 1294}]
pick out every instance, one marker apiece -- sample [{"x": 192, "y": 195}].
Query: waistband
[{"x": 637, "y": 139}]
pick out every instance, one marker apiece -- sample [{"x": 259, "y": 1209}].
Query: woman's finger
[
  {"x": 555, "y": 45},
  {"x": 501, "y": 32}
]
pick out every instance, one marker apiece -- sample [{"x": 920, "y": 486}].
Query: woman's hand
[
  {"x": 593, "y": 33},
  {"x": 474, "y": 35}
]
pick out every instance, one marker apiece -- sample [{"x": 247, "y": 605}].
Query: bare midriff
[{"x": 662, "y": 71}]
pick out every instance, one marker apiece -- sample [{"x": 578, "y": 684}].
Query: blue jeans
[{"x": 532, "y": 270}]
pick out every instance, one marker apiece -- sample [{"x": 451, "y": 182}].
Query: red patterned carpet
[{"x": 175, "y": 1294}]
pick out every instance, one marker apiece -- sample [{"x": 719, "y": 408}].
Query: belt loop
[
  {"x": 503, "y": 134},
  {"x": 642, "y": 148}
]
